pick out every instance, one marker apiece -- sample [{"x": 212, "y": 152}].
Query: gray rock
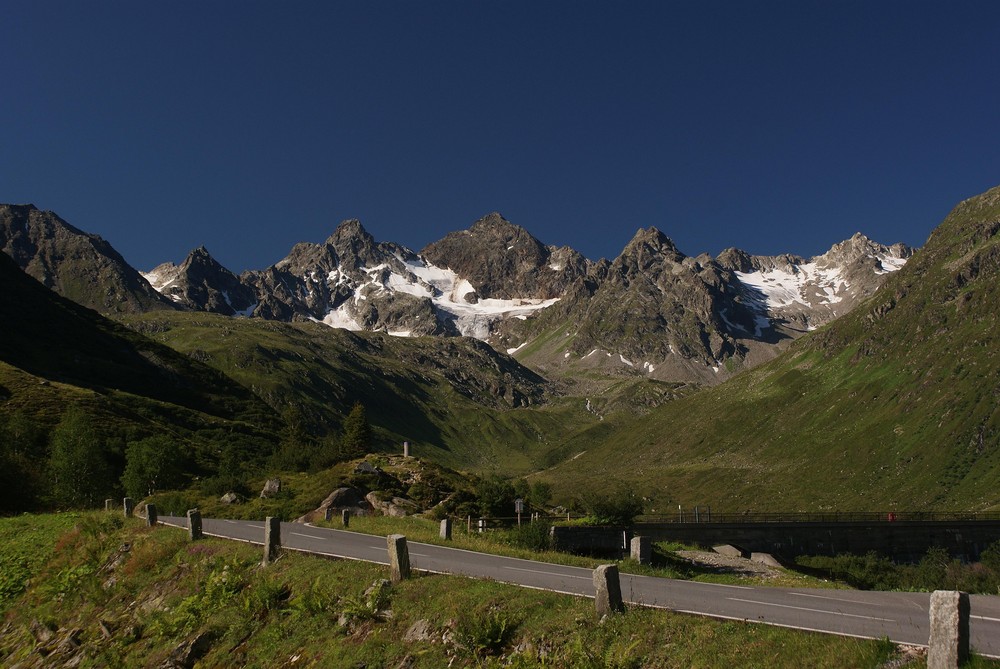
[
  {"x": 729, "y": 550},
  {"x": 188, "y": 653},
  {"x": 230, "y": 498},
  {"x": 366, "y": 467},
  {"x": 271, "y": 488},
  {"x": 419, "y": 631}
]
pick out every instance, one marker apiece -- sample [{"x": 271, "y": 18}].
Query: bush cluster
[{"x": 935, "y": 571}]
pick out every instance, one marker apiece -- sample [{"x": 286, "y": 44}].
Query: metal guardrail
[{"x": 704, "y": 516}]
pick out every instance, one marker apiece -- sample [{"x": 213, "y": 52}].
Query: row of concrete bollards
[
  {"x": 128, "y": 508},
  {"x": 948, "y": 645}
]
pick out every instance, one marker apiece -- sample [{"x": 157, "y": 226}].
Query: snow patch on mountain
[
  {"x": 161, "y": 277},
  {"x": 783, "y": 287},
  {"x": 454, "y": 298}
]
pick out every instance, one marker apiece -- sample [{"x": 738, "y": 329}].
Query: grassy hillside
[
  {"x": 105, "y": 592},
  {"x": 892, "y": 406},
  {"x": 456, "y": 400},
  {"x": 57, "y": 359}
]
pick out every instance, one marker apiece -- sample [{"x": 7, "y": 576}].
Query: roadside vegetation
[
  {"x": 109, "y": 592},
  {"x": 935, "y": 571}
]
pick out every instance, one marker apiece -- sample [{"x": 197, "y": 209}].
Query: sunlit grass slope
[{"x": 893, "y": 406}]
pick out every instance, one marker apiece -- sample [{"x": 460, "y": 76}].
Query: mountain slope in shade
[
  {"x": 893, "y": 405},
  {"x": 61, "y": 342},
  {"x": 75, "y": 264}
]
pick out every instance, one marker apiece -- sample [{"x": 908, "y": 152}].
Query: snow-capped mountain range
[{"x": 651, "y": 311}]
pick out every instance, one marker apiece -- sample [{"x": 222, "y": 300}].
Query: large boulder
[
  {"x": 340, "y": 499},
  {"x": 397, "y": 506}
]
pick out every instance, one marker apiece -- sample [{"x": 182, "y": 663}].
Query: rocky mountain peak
[
  {"x": 501, "y": 260},
  {"x": 736, "y": 260},
  {"x": 350, "y": 230},
  {"x": 200, "y": 256},
  {"x": 860, "y": 248},
  {"x": 651, "y": 240},
  {"x": 354, "y": 247},
  {"x": 495, "y": 222},
  {"x": 203, "y": 284},
  {"x": 75, "y": 264},
  {"x": 648, "y": 248}
]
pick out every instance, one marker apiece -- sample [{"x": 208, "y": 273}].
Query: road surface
[{"x": 901, "y": 616}]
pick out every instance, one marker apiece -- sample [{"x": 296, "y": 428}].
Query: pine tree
[{"x": 357, "y": 438}]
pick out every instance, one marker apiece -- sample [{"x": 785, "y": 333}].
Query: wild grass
[{"x": 306, "y": 611}]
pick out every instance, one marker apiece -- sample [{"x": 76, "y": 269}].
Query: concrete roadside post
[
  {"x": 948, "y": 646},
  {"x": 272, "y": 539},
  {"x": 151, "y": 516},
  {"x": 642, "y": 550},
  {"x": 194, "y": 524},
  {"x": 109, "y": 504},
  {"x": 608, "y": 591},
  {"x": 446, "y": 529},
  {"x": 399, "y": 558},
  {"x": 345, "y": 518},
  {"x": 128, "y": 506}
]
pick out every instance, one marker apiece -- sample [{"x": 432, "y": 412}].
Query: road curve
[{"x": 901, "y": 616}]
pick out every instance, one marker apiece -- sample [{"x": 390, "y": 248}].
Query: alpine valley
[{"x": 865, "y": 377}]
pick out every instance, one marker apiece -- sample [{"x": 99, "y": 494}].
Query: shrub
[
  {"x": 615, "y": 507},
  {"x": 533, "y": 536}
]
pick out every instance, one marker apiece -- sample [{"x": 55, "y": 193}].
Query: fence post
[
  {"x": 194, "y": 524},
  {"x": 151, "y": 515},
  {"x": 399, "y": 558},
  {"x": 608, "y": 591},
  {"x": 128, "y": 506},
  {"x": 272, "y": 539},
  {"x": 948, "y": 646},
  {"x": 109, "y": 504},
  {"x": 642, "y": 549}
]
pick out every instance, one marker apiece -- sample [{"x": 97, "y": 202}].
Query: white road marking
[
  {"x": 714, "y": 585},
  {"x": 548, "y": 573},
  {"x": 834, "y": 599},
  {"x": 308, "y": 536},
  {"x": 801, "y": 608},
  {"x": 992, "y": 620}
]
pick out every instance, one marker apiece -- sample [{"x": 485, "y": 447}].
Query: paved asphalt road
[{"x": 903, "y": 617}]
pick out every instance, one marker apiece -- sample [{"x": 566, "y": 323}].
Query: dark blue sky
[{"x": 249, "y": 126}]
